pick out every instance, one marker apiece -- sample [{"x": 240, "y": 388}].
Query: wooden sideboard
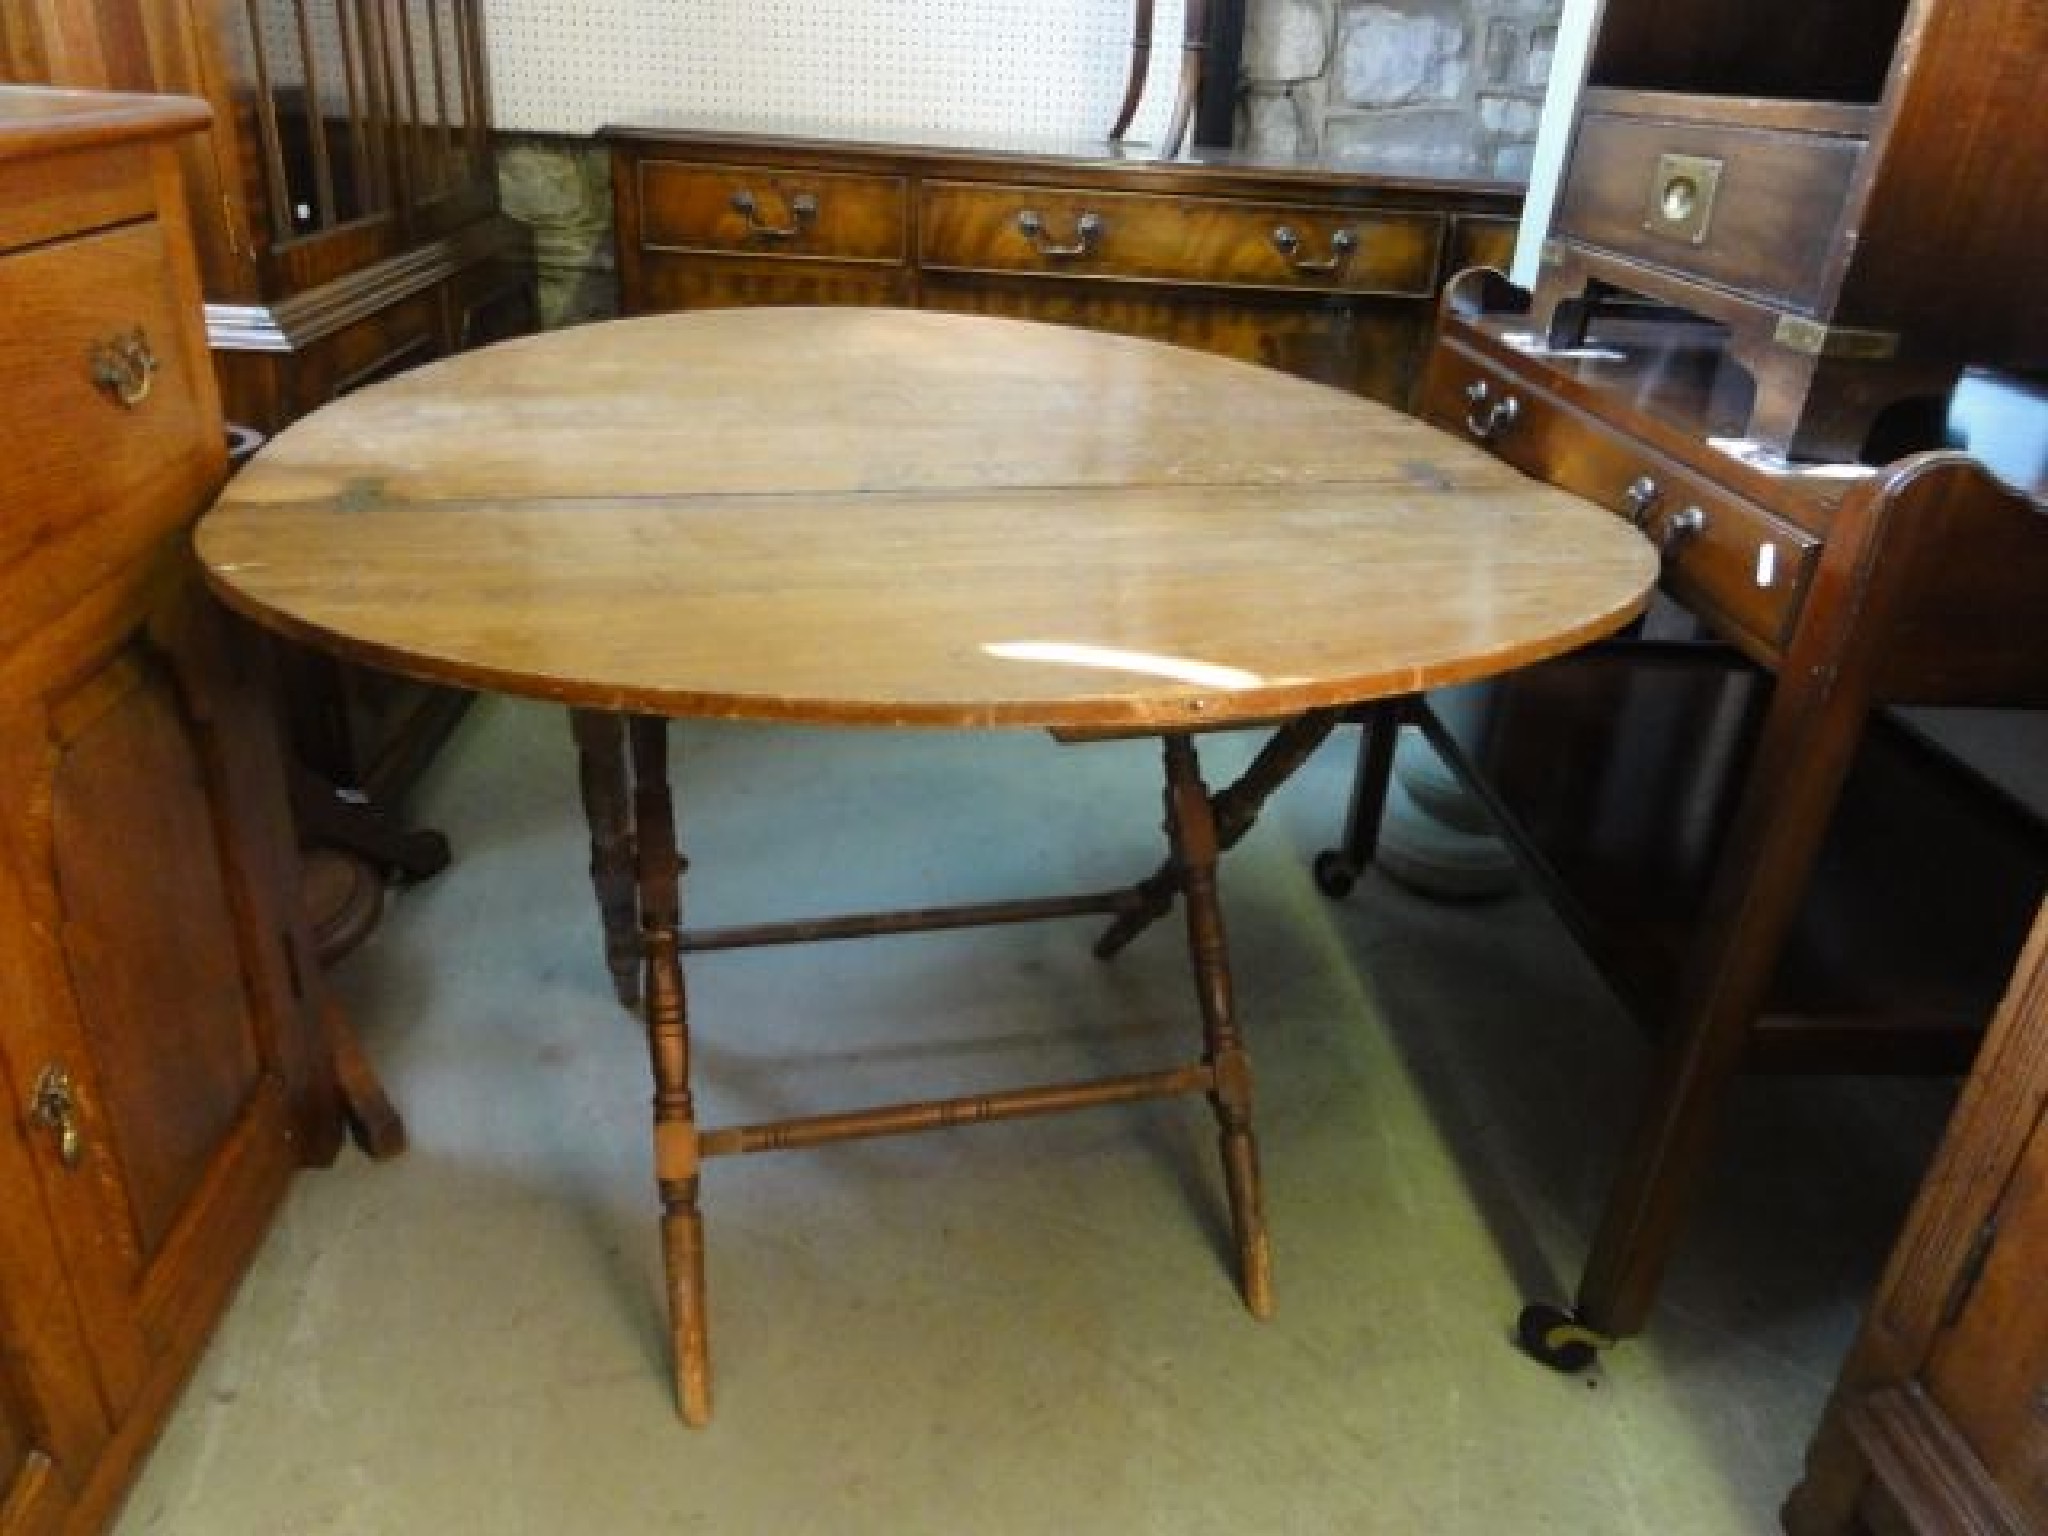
[
  {"x": 161, "y": 1011},
  {"x": 1939, "y": 1423},
  {"x": 1774, "y": 872},
  {"x": 1326, "y": 271}
]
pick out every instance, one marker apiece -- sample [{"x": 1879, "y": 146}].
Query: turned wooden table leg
[
  {"x": 1191, "y": 829},
  {"x": 677, "y": 1154},
  {"x": 1337, "y": 869},
  {"x": 1235, "y": 810},
  {"x": 601, "y": 774}
]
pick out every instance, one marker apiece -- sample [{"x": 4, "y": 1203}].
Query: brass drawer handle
[
  {"x": 125, "y": 367},
  {"x": 1485, "y": 420},
  {"x": 53, "y": 1106},
  {"x": 1288, "y": 241},
  {"x": 1088, "y": 230},
  {"x": 803, "y": 211}
]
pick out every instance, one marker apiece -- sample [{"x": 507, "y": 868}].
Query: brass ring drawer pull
[
  {"x": 1288, "y": 241},
  {"x": 125, "y": 367},
  {"x": 1487, "y": 418},
  {"x": 1088, "y": 229},
  {"x": 53, "y": 1106},
  {"x": 803, "y": 211}
]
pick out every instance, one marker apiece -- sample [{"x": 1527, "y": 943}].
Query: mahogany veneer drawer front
[
  {"x": 754, "y": 209},
  {"x": 1749, "y": 208},
  {"x": 1327, "y": 272},
  {"x": 1742, "y": 567},
  {"x": 981, "y": 227}
]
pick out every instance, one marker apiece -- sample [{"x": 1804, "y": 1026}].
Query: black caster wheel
[
  {"x": 1334, "y": 875},
  {"x": 421, "y": 854},
  {"x": 1558, "y": 1339}
]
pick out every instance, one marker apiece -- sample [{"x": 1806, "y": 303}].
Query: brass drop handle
[
  {"x": 1487, "y": 418},
  {"x": 1288, "y": 242},
  {"x": 53, "y": 1106},
  {"x": 125, "y": 367},
  {"x": 1680, "y": 528},
  {"x": 1087, "y": 230},
  {"x": 803, "y": 210}
]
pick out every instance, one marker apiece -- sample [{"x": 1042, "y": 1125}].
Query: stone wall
[
  {"x": 1440, "y": 84},
  {"x": 562, "y": 190}
]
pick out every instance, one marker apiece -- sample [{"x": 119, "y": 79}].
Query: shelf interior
[{"x": 1617, "y": 772}]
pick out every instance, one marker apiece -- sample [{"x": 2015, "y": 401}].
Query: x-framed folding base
[{"x": 636, "y": 868}]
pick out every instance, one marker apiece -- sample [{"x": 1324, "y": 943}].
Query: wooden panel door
[
  {"x": 51, "y": 1426},
  {"x": 1988, "y": 1374},
  {"x": 137, "y": 779}
]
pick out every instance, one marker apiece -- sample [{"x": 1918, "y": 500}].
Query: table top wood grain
[{"x": 896, "y": 517}]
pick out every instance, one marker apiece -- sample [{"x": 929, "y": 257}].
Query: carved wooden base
[{"x": 636, "y": 868}]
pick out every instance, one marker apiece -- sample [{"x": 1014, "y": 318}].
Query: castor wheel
[
  {"x": 1334, "y": 874},
  {"x": 1554, "y": 1336}
]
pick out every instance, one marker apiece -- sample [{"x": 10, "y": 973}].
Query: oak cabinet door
[
  {"x": 51, "y": 1426},
  {"x": 157, "y": 975}
]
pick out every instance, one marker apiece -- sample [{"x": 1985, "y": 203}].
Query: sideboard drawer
[
  {"x": 989, "y": 227},
  {"x": 120, "y": 448},
  {"x": 1752, "y": 209},
  {"x": 1740, "y": 567},
  {"x": 777, "y": 211}
]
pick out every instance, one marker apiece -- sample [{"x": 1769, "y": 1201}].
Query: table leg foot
[{"x": 682, "y": 1249}]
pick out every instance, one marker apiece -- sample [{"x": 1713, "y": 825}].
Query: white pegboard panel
[{"x": 1041, "y": 69}]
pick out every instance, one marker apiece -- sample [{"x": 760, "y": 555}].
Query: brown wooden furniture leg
[
  {"x": 676, "y": 1154},
  {"x": 1337, "y": 869},
  {"x": 1808, "y": 741},
  {"x": 1191, "y": 829},
  {"x": 373, "y": 1121},
  {"x": 1236, "y": 809},
  {"x": 601, "y": 774},
  {"x": 1141, "y": 64}
]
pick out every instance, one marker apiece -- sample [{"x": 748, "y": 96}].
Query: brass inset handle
[
  {"x": 1487, "y": 418},
  {"x": 1288, "y": 241},
  {"x": 1087, "y": 230},
  {"x": 803, "y": 211},
  {"x": 1680, "y": 528},
  {"x": 125, "y": 367},
  {"x": 53, "y": 1106}
]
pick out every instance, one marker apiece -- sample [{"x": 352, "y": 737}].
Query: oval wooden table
[{"x": 893, "y": 518}]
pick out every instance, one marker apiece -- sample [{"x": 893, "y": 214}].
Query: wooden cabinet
[
  {"x": 1939, "y": 1422},
  {"x": 346, "y": 221},
  {"x": 159, "y": 1014},
  {"x": 1845, "y": 190},
  {"x": 1326, "y": 272},
  {"x": 1773, "y": 870}
]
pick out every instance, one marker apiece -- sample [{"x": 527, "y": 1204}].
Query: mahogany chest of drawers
[{"x": 1329, "y": 272}]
